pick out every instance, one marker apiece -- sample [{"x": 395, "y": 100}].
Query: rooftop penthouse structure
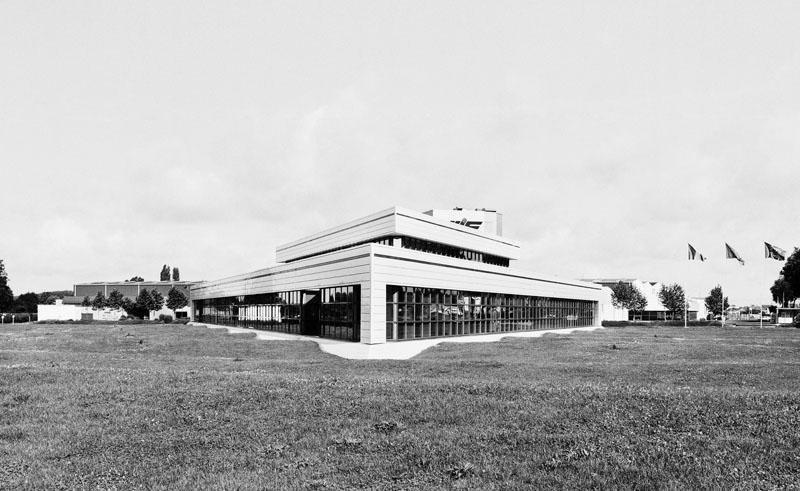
[{"x": 395, "y": 275}]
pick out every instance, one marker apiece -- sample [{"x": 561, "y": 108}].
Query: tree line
[
  {"x": 145, "y": 302},
  {"x": 786, "y": 287},
  {"x": 626, "y": 296},
  {"x": 28, "y": 302},
  {"x": 167, "y": 274}
]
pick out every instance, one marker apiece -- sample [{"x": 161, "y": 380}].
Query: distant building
[
  {"x": 61, "y": 311},
  {"x": 130, "y": 290},
  {"x": 786, "y": 315},
  {"x": 655, "y": 310}
]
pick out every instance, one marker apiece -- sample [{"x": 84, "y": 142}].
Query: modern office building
[{"x": 395, "y": 275}]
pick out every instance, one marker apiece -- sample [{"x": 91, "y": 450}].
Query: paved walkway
[{"x": 400, "y": 350}]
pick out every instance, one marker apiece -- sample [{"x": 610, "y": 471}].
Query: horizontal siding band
[
  {"x": 510, "y": 275},
  {"x": 273, "y": 273}
]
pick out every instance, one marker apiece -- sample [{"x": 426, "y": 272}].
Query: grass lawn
[{"x": 88, "y": 406}]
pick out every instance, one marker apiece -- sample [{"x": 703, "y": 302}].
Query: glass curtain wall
[
  {"x": 339, "y": 313},
  {"x": 658, "y": 315},
  {"x": 269, "y": 311},
  {"x": 416, "y": 313},
  {"x": 450, "y": 251}
]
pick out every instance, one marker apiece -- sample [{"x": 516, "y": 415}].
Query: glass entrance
[{"x": 309, "y": 314}]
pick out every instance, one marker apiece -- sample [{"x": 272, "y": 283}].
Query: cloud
[{"x": 66, "y": 234}]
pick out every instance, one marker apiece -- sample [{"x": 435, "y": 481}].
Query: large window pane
[{"x": 435, "y": 312}]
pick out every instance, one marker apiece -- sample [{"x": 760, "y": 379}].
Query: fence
[{"x": 17, "y": 318}]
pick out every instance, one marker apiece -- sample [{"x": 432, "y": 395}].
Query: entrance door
[{"x": 309, "y": 314}]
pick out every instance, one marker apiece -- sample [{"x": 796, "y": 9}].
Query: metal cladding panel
[
  {"x": 398, "y": 221},
  {"x": 347, "y": 267},
  {"x": 91, "y": 290},
  {"x": 364, "y": 229},
  {"x": 128, "y": 289},
  {"x": 392, "y": 266}
]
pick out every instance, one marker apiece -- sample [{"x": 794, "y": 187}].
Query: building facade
[
  {"x": 396, "y": 275},
  {"x": 130, "y": 290}
]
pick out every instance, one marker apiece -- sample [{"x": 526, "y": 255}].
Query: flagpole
[
  {"x": 721, "y": 291},
  {"x": 684, "y": 307},
  {"x": 761, "y": 307}
]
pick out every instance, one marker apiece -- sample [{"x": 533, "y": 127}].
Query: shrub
[
  {"x": 166, "y": 319},
  {"x": 68, "y": 321},
  {"x": 134, "y": 320},
  {"x": 184, "y": 320}
]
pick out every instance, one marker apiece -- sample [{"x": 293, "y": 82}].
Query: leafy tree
[
  {"x": 144, "y": 303},
  {"x": 49, "y": 298},
  {"x": 176, "y": 274},
  {"x": 673, "y": 298},
  {"x": 27, "y": 302},
  {"x": 626, "y": 296},
  {"x": 791, "y": 275},
  {"x": 158, "y": 299},
  {"x": 115, "y": 299},
  {"x": 129, "y": 306},
  {"x": 6, "y": 295},
  {"x": 714, "y": 301},
  {"x": 781, "y": 291},
  {"x": 165, "y": 273},
  {"x": 136, "y": 279},
  {"x": 99, "y": 301},
  {"x": 176, "y": 299},
  {"x": 138, "y": 307},
  {"x": 86, "y": 302}
]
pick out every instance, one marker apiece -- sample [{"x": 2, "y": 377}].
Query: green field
[{"x": 160, "y": 406}]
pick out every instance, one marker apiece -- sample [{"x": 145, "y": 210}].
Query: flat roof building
[
  {"x": 394, "y": 275},
  {"x": 129, "y": 289}
]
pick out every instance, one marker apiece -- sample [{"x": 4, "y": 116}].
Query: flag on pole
[
  {"x": 731, "y": 254},
  {"x": 770, "y": 251},
  {"x": 694, "y": 255}
]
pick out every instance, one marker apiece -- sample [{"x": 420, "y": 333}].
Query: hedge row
[
  {"x": 121, "y": 321},
  {"x": 21, "y": 317},
  {"x": 701, "y": 323}
]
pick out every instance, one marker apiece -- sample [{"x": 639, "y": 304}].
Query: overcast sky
[{"x": 203, "y": 134}]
